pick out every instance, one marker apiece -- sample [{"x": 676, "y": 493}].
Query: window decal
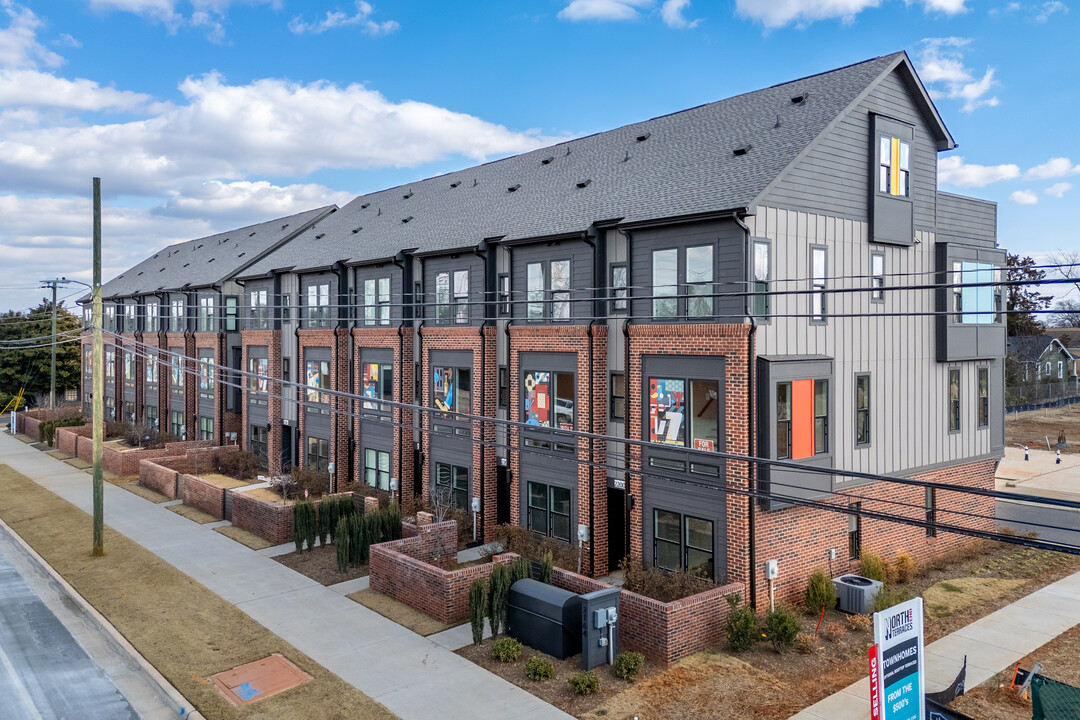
[
  {"x": 537, "y": 399},
  {"x": 442, "y": 383},
  {"x": 666, "y": 401}
]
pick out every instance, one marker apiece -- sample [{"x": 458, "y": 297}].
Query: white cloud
[
  {"x": 1058, "y": 189},
  {"x": 1052, "y": 168},
  {"x": 37, "y": 89},
  {"x": 243, "y": 200},
  {"x": 205, "y": 14},
  {"x": 67, "y": 40},
  {"x": 672, "y": 13},
  {"x": 1024, "y": 197},
  {"x": 778, "y": 13},
  {"x": 952, "y": 170},
  {"x": 602, "y": 9},
  {"x": 1047, "y": 9},
  {"x": 949, "y": 7},
  {"x": 941, "y": 62},
  {"x": 338, "y": 18},
  {"x": 19, "y": 47}
]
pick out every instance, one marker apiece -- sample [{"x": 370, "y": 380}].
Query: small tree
[
  {"x": 477, "y": 609},
  {"x": 442, "y": 501},
  {"x": 498, "y": 597}
]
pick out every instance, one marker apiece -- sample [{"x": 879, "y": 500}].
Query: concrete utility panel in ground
[{"x": 44, "y": 672}]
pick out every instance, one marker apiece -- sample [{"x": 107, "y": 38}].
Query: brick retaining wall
[
  {"x": 204, "y": 495},
  {"x": 271, "y": 521}
]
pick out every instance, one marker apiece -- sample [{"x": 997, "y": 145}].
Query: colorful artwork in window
[
  {"x": 666, "y": 411},
  {"x": 442, "y": 385},
  {"x": 538, "y": 399},
  {"x": 317, "y": 376},
  {"x": 371, "y": 387},
  {"x": 206, "y": 378},
  {"x": 260, "y": 367}
]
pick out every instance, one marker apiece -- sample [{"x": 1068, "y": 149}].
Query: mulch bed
[{"x": 320, "y": 565}]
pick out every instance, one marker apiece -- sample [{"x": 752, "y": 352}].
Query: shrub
[
  {"x": 887, "y": 597},
  {"x": 820, "y": 593},
  {"x": 782, "y": 627},
  {"x": 906, "y": 567},
  {"x": 498, "y": 596},
  {"x": 584, "y": 683},
  {"x": 872, "y": 566},
  {"x": 47, "y": 429},
  {"x": 662, "y": 585},
  {"x": 528, "y": 544},
  {"x": 304, "y": 525},
  {"x": 115, "y": 428},
  {"x": 627, "y": 665},
  {"x": 520, "y": 570},
  {"x": 506, "y": 650},
  {"x": 860, "y": 622},
  {"x": 833, "y": 630},
  {"x": 547, "y": 566},
  {"x": 742, "y": 624},
  {"x": 477, "y": 607},
  {"x": 341, "y": 545},
  {"x": 804, "y": 644},
  {"x": 242, "y": 465},
  {"x": 355, "y": 531},
  {"x": 315, "y": 483},
  {"x": 539, "y": 669}
]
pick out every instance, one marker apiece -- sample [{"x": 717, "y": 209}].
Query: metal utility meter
[{"x": 599, "y": 627}]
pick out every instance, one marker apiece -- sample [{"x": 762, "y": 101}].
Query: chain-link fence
[
  {"x": 1045, "y": 394},
  {"x": 1053, "y": 700}
]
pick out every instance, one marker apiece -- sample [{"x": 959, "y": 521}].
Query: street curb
[{"x": 182, "y": 706}]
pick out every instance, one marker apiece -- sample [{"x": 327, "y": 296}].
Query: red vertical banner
[
  {"x": 802, "y": 419},
  {"x": 875, "y": 685}
]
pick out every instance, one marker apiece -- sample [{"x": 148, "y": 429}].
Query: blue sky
[{"x": 204, "y": 115}]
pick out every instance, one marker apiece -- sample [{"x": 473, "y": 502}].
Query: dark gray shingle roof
[
  {"x": 209, "y": 260},
  {"x": 1028, "y": 348},
  {"x": 674, "y": 165}
]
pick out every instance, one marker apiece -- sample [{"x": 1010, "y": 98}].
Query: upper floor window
[
  {"x": 129, "y": 366},
  {"x": 318, "y": 305},
  {"x": 984, "y": 397},
  {"x": 504, "y": 294},
  {"x": 232, "y": 311},
  {"x": 206, "y": 314},
  {"x": 206, "y": 375},
  {"x": 548, "y": 293},
  {"x": 690, "y": 269},
  {"x": 675, "y": 421},
  {"x": 110, "y": 365},
  {"x": 548, "y": 402},
  {"x": 129, "y": 318},
  {"x": 176, "y": 369},
  {"x": 317, "y": 378},
  {"x": 954, "y": 400},
  {"x": 258, "y": 374},
  {"x": 152, "y": 311},
  {"x": 618, "y": 396},
  {"x": 762, "y": 276},
  {"x": 377, "y": 301},
  {"x": 88, "y": 360},
  {"x": 452, "y": 389},
  {"x": 877, "y": 277},
  {"x": 619, "y": 282},
  {"x": 894, "y": 161},
  {"x": 802, "y": 419},
  {"x": 151, "y": 369},
  {"x": 377, "y": 382},
  {"x": 259, "y": 308},
  {"x": 976, "y": 298},
  {"x": 817, "y": 284},
  {"x": 177, "y": 316},
  {"x": 862, "y": 409},
  {"x": 109, "y": 321},
  {"x": 452, "y": 297}
]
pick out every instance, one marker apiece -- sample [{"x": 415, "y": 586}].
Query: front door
[
  {"x": 286, "y": 448},
  {"x": 616, "y": 527}
]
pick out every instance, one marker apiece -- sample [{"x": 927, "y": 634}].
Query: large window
[
  {"x": 318, "y": 454},
  {"x": 206, "y": 314},
  {"x": 802, "y": 419},
  {"x": 762, "y": 275},
  {"x": 954, "y": 400},
  {"x": 377, "y": 469},
  {"x": 690, "y": 269},
  {"x": 317, "y": 379},
  {"x": 206, "y": 428},
  {"x": 318, "y": 305},
  {"x": 682, "y": 542},
  {"x": 452, "y": 297},
  {"x": 984, "y": 397},
  {"x": 377, "y": 383},
  {"x": 153, "y": 310},
  {"x": 461, "y": 296},
  {"x": 975, "y": 301},
  {"x": 452, "y": 483},
  {"x": 894, "y": 162},
  {"x": 176, "y": 425},
  {"x": 110, "y": 407},
  {"x": 152, "y": 368},
  {"x": 817, "y": 284},
  {"x": 129, "y": 319},
  {"x": 699, "y": 281},
  {"x": 665, "y": 282},
  {"x": 260, "y": 310},
  {"x": 549, "y": 511},
  {"x": 548, "y": 290},
  {"x": 152, "y": 417},
  {"x": 259, "y": 372},
  {"x": 177, "y": 316},
  {"x": 619, "y": 282},
  {"x": 452, "y": 389},
  {"x": 377, "y": 301},
  {"x": 862, "y": 409},
  {"x": 548, "y": 402},
  {"x": 206, "y": 376},
  {"x": 678, "y": 419},
  {"x": 258, "y": 439},
  {"x": 176, "y": 369},
  {"x": 110, "y": 366},
  {"x": 108, "y": 322}
]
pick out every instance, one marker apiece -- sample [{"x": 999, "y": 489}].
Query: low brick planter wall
[
  {"x": 203, "y": 495},
  {"x": 272, "y": 521},
  {"x": 67, "y": 439},
  {"x": 27, "y": 424},
  {"x": 77, "y": 441},
  {"x": 164, "y": 474}
]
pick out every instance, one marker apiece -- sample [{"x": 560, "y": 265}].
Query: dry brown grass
[
  {"x": 243, "y": 537},
  {"x": 400, "y": 613},
  {"x": 131, "y": 484},
  {"x": 223, "y": 481},
  {"x": 948, "y": 596},
  {"x": 186, "y": 631},
  {"x": 268, "y": 495},
  {"x": 193, "y": 514}
]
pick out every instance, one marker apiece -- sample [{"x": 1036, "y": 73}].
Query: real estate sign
[{"x": 897, "y": 685}]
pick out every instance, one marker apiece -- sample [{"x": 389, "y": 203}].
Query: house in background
[{"x": 1043, "y": 358}]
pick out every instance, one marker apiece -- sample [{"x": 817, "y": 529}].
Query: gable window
[
  {"x": 377, "y": 383},
  {"x": 817, "y": 284},
  {"x": 877, "y": 277},
  {"x": 318, "y": 305},
  {"x": 549, "y": 511},
  {"x": 377, "y": 301},
  {"x": 452, "y": 484},
  {"x": 548, "y": 290},
  {"x": 682, "y": 542},
  {"x": 762, "y": 276},
  {"x": 984, "y": 397},
  {"x": 152, "y": 311},
  {"x": 318, "y": 454},
  {"x": 674, "y": 421},
  {"x": 954, "y": 400},
  {"x": 894, "y": 161},
  {"x": 206, "y": 314},
  {"x": 452, "y": 389},
  {"x": 316, "y": 379},
  {"x": 618, "y": 396},
  {"x": 260, "y": 311},
  {"x": 802, "y": 419},
  {"x": 177, "y": 316},
  {"x": 1061, "y": 369},
  {"x": 548, "y": 402},
  {"x": 232, "y": 312},
  {"x": 619, "y": 282}
]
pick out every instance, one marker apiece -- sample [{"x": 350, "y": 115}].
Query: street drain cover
[{"x": 257, "y": 680}]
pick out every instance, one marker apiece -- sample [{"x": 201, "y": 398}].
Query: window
[
  {"x": 452, "y": 389},
  {"x": 232, "y": 311},
  {"x": 862, "y": 409},
  {"x": 1061, "y": 369},
  {"x": 88, "y": 360},
  {"x": 377, "y": 301},
  {"x": 504, "y": 294},
  {"x": 259, "y": 371},
  {"x": 206, "y": 428},
  {"x": 260, "y": 310},
  {"x": 504, "y": 387},
  {"x": 984, "y": 397},
  {"x": 618, "y": 396},
  {"x": 442, "y": 298},
  {"x": 931, "y": 512},
  {"x": 547, "y": 290},
  {"x": 129, "y": 413},
  {"x": 318, "y": 454},
  {"x": 152, "y": 369},
  {"x": 206, "y": 314},
  {"x": 548, "y": 402},
  {"x": 877, "y": 277},
  {"x": 665, "y": 280},
  {"x": 802, "y": 419},
  {"x": 258, "y": 440},
  {"x": 549, "y": 511},
  {"x": 71, "y": 394},
  {"x": 682, "y": 542},
  {"x": 377, "y": 469},
  {"x": 152, "y": 416},
  {"x": 286, "y": 307},
  {"x": 854, "y": 531},
  {"x": 954, "y": 400},
  {"x": 762, "y": 275},
  {"x": 206, "y": 376},
  {"x": 461, "y": 296},
  {"x": 153, "y": 310},
  {"x": 110, "y": 407},
  {"x": 452, "y": 483},
  {"x": 110, "y": 366},
  {"x": 377, "y": 382},
  {"x": 699, "y": 278},
  {"x": 177, "y": 316},
  {"x": 176, "y": 370},
  {"x": 669, "y": 418},
  {"x": 318, "y": 305},
  {"x": 108, "y": 322},
  {"x": 894, "y": 160},
  {"x": 619, "y": 282},
  {"x": 129, "y": 366},
  {"x": 177, "y": 425},
  {"x": 286, "y": 369},
  {"x": 316, "y": 378},
  {"x": 975, "y": 301},
  {"x": 129, "y": 319},
  {"x": 817, "y": 284}
]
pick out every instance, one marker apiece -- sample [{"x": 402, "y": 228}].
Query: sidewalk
[{"x": 414, "y": 677}]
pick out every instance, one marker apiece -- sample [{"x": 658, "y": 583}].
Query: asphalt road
[
  {"x": 44, "y": 672},
  {"x": 1060, "y": 525}
]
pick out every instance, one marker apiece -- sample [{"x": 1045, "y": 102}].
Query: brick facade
[
  {"x": 271, "y": 339},
  {"x": 336, "y": 341},
  {"x": 270, "y": 521},
  {"x": 215, "y": 343}
]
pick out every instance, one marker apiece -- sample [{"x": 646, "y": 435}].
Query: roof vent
[
  {"x": 475, "y": 182},
  {"x": 380, "y": 211},
  {"x": 241, "y": 255},
  {"x": 210, "y": 261},
  {"x": 777, "y": 122},
  {"x": 583, "y": 183},
  {"x": 408, "y": 195},
  {"x": 251, "y": 235},
  {"x": 199, "y": 247},
  {"x": 644, "y": 136},
  {"x": 514, "y": 188},
  {"x": 405, "y": 220},
  {"x": 455, "y": 183},
  {"x": 320, "y": 236},
  {"x": 800, "y": 98},
  {"x": 282, "y": 227},
  {"x": 158, "y": 254},
  {"x": 742, "y": 150},
  {"x": 356, "y": 230},
  {"x": 140, "y": 272},
  {"x": 365, "y": 206},
  {"x": 547, "y": 160},
  {"x": 626, "y": 158},
  {"x": 187, "y": 264},
  {"x": 161, "y": 270}
]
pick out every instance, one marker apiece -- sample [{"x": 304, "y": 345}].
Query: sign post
[{"x": 897, "y": 666}]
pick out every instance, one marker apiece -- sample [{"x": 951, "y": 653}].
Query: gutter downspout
[
  {"x": 189, "y": 375},
  {"x": 596, "y": 313},
  {"x": 483, "y": 251},
  {"x": 626, "y": 389},
  {"x": 344, "y": 313},
  {"x": 751, "y": 414},
  {"x": 509, "y": 380},
  {"x": 400, "y": 261},
  {"x": 418, "y": 472},
  {"x": 299, "y": 370}
]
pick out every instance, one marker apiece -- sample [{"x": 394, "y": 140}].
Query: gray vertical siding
[
  {"x": 581, "y": 276},
  {"x": 465, "y": 260}
]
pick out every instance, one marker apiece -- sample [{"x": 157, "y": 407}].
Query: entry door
[
  {"x": 286, "y": 448},
  {"x": 616, "y": 508},
  {"x": 502, "y": 516}
]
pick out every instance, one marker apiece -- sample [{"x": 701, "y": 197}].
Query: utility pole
[
  {"x": 98, "y": 384},
  {"x": 52, "y": 382}
]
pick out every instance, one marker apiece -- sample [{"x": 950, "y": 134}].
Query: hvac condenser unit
[{"x": 855, "y": 593}]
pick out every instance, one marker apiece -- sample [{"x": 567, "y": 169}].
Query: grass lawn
[
  {"x": 400, "y": 613},
  {"x": 193, "y": 514},
  {"x": 243, "y": 537},
  {"x": 186, "y": 631},
  {"x": 131, "y": 484}
]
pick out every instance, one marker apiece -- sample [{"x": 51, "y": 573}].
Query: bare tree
[
  {"x": 442, "y": 501},
  {"x": 1066, "y": 314},
  {"x": 1069, "y": 262}
]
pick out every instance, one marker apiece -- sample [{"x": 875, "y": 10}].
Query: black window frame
[
  {"x": 549, "y": 510},
  {"x": 863, "y": 431},
  {"x": 451, "y": 480},
  {"x": 207, "y": 314},
  {"x": 259, "y": 443},
  {"x": 620, "y": 290},
  {"x": 372, "y": 408},
  {"x": 377, "y": 303},
  {"x": 761, "y": 304},
  {"x": 550, "y": 296},
  {"x": 955, "y": 419},
  {"x": 854, "y": 530},
  {"x": 549, "y": 437},
  {"x": 682, "y": 292},
  {"x": 983, "y": 396},
  {"x": 931, "y": 512},
  {"x": 232, "y": 313},
  {"x": 819, "y": 286},
  {"x": 206, "y": 428},
  {"x": 317, "y": 313},
  {"x": 683, "y": 544},
  {"x": 614, "y": 396},
  {"x": 321, "y": 460},
  {"x": 877, "y": 278},
  {"x": 376, "y": 470},
  {"x": 258, "y": 309}
]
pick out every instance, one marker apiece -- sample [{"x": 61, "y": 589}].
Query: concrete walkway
[
  {"x": 412, "y": 676},
  {"x": 1039, "y": 477},
  {"x": 991, "y": 645}
]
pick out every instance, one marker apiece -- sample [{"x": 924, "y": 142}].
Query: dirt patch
[
  {"x": 223, "y": 481},
  {"x": 948, "y": 596},
  {"x": 1032, "y": 428},
  {"x": 994, "y": 701},
  {"x": 320, "y": 565},
  {"x": 131, "y": 484},
  {"x": 136, "y": 591},
  {"x": 243, "y": 537},
  {"x": 192, "y": 514},
  {"x": 556, "y": 691},
  {"x": 400, "y": 613}
]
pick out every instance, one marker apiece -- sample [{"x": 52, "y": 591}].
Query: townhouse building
[{"x": 590, "y": 339}]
